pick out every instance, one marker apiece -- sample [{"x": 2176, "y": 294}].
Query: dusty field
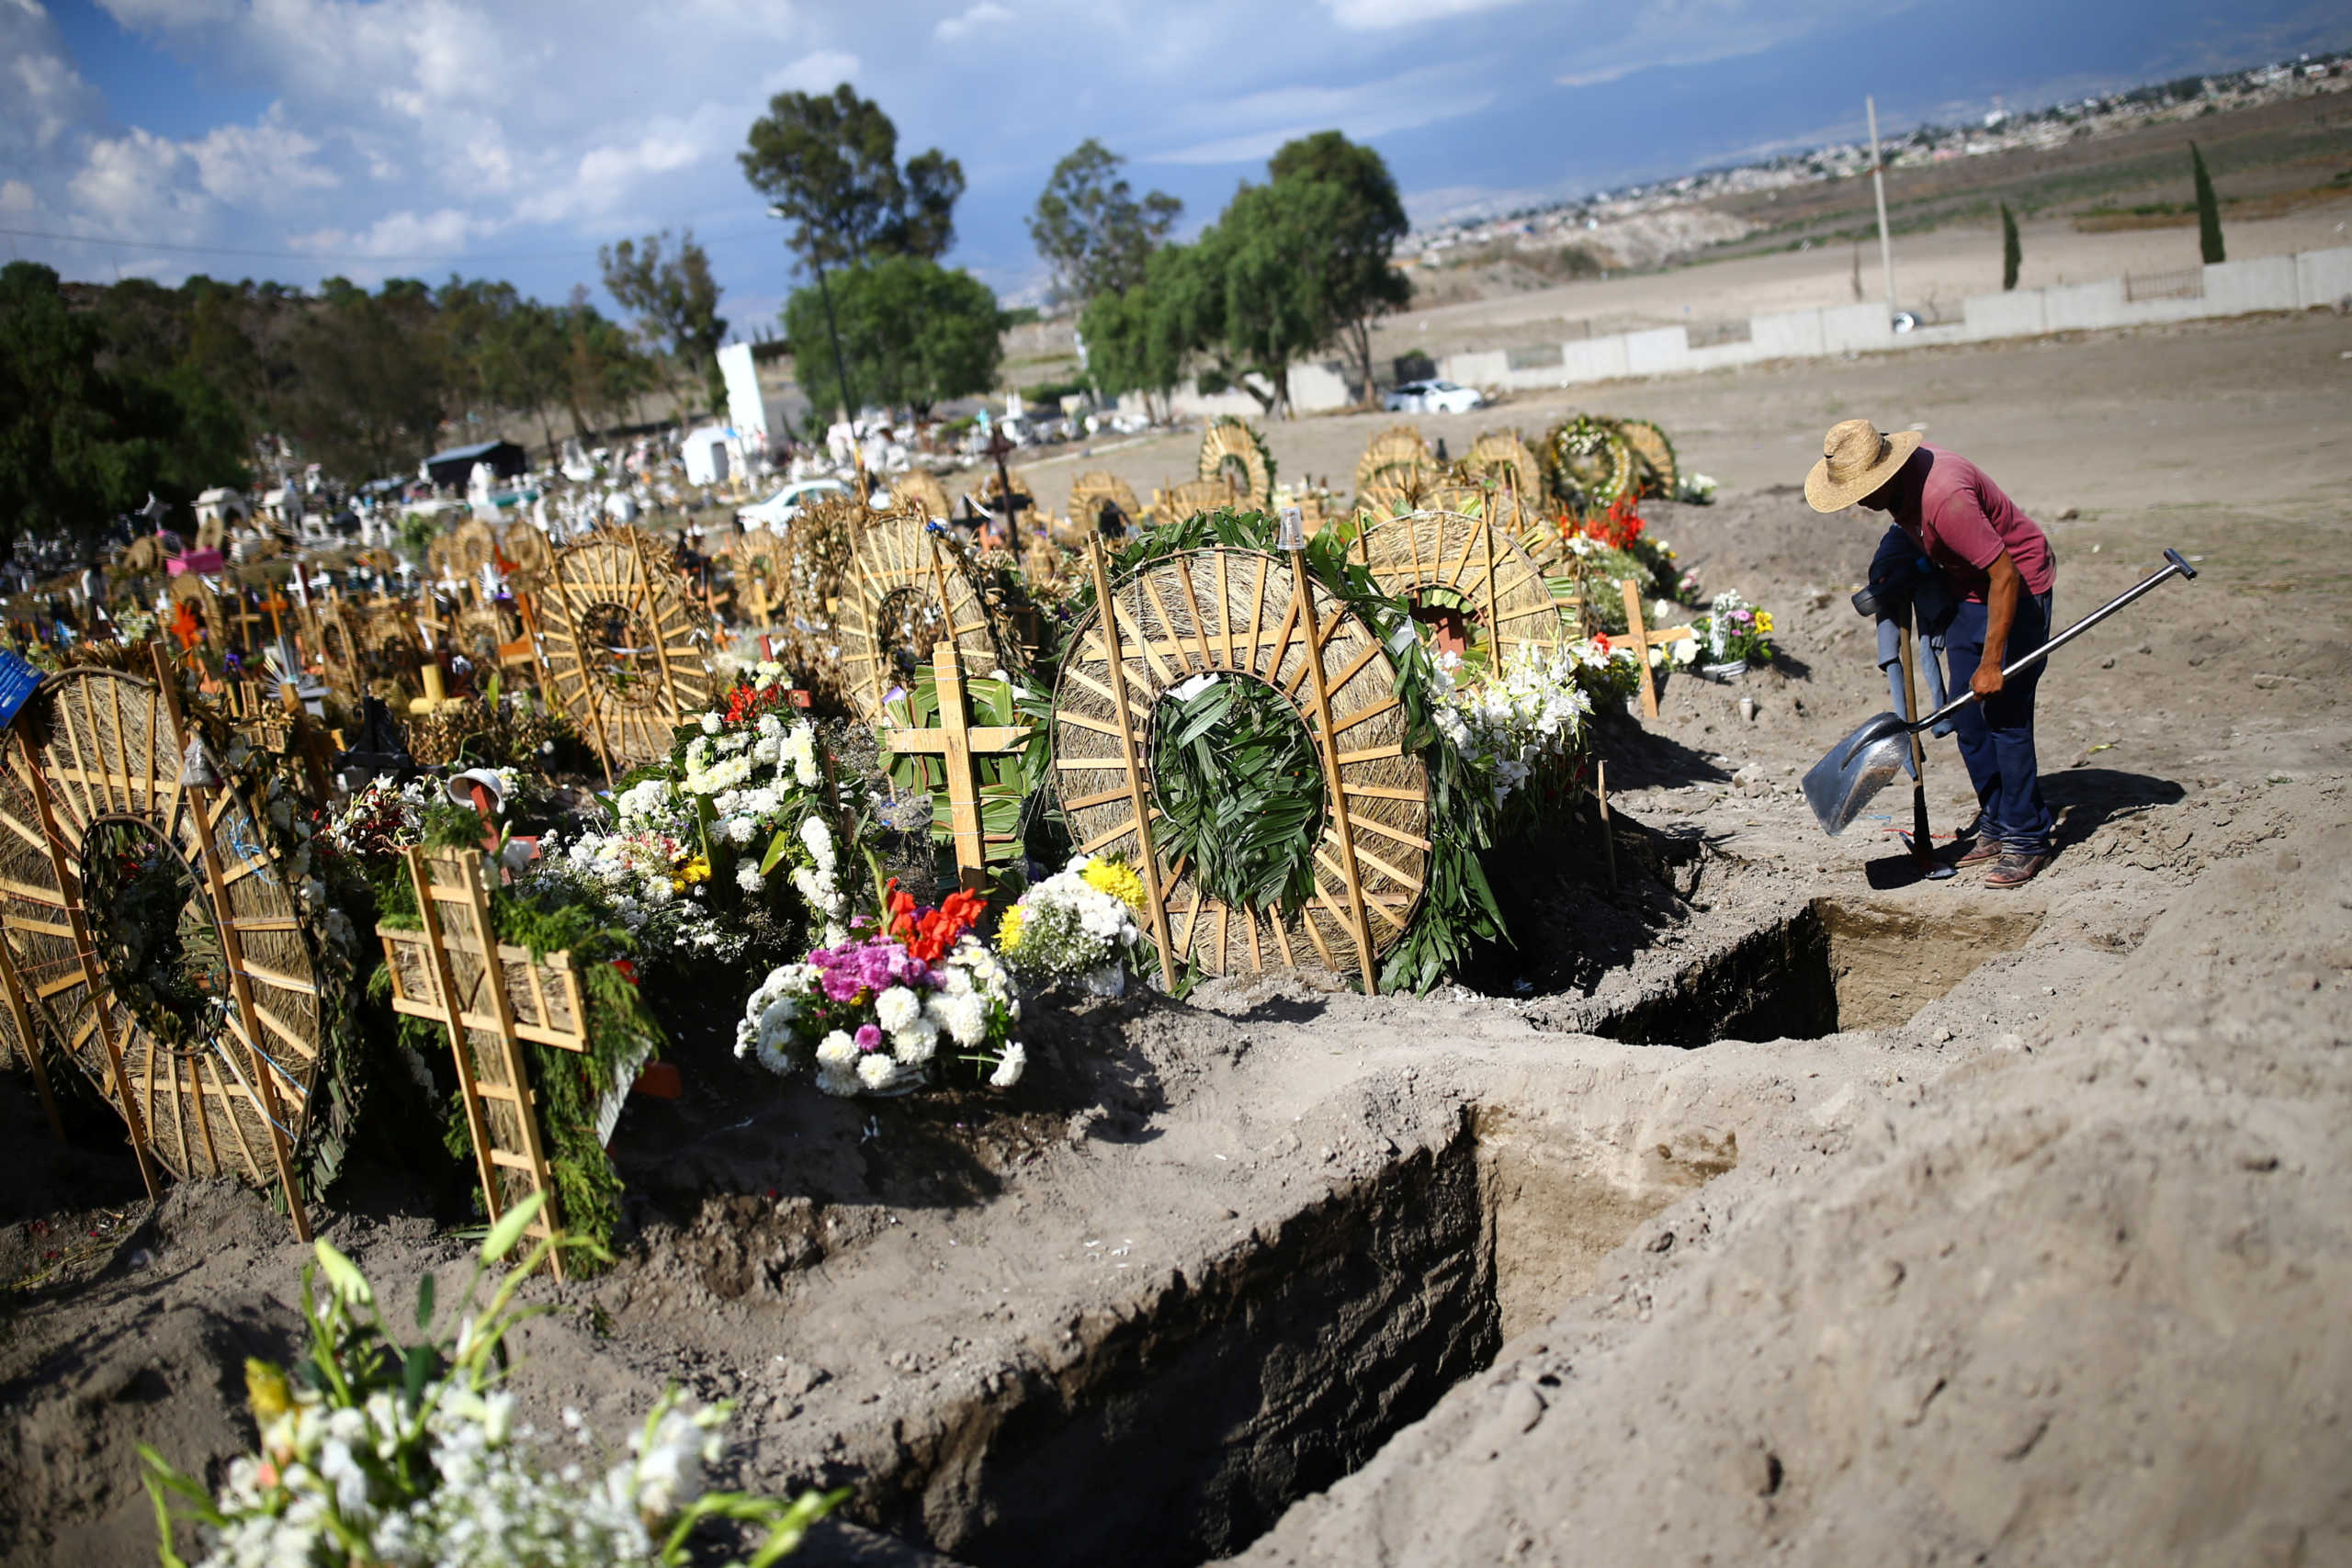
[{"x": 1988, "y": 1226}]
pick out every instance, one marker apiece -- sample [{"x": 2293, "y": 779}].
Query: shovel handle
[{"x": 2174, "y": 567}]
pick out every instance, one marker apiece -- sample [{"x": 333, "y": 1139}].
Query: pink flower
[{"x": 869, "y": 1037}]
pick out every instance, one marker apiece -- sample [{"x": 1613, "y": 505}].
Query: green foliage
[
  {"x": 1090, "y": 228},
  {"x": 912, "y": 332},
  {"x": 1006, "y": 781},
  {"x": 1135, "y": 341},
  {"x": 1234, "y": 768},
  {"x": 828, "y": 162},
  {"x": 675, "y": 302},
  {"x": 87, "y": 430},
  {"x": 2209, "y": 210},
  {"x": 2012, "y": 253},
  {"x": 371, "y": 373}
]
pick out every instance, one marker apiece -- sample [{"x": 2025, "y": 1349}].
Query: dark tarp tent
[{"x": 455, "y": 466}]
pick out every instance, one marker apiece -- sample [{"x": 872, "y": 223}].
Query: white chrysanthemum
[
  {"x": 838, "y": 1081},
  {"x": 747, "y": 877},
  {"x": 1009, "y": 1067},
  {"x": 897, "y": 1008},
  {"x": 839, "y": 1051},
  {"x": 710, "y": 723},
  {"x": 916, "y": 1042},
  {"x": 877, "y": 1071}
]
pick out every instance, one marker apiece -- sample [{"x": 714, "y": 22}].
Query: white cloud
[
  {"x": 268, "y": 165},
  {"x": 1404, "y": 102},
  {"x": 1679, "y": 34},
  {"x": 818, "y": 72},
  {"x": 41, "y": 94},
  {"x": 17, "y": 199},
  {"x": 400, "y": 236},
  {"x": 954, "y": 30},
  {"x": 1367, "y": 16}
]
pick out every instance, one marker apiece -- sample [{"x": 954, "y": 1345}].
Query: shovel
[{"x": 1858, "y": 767}]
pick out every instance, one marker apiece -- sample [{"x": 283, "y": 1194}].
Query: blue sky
[{"x": 299, "y": 139}]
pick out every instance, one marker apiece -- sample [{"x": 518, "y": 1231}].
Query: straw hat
[{"x": 1856, "y": 459}]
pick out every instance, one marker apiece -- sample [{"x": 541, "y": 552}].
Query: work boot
[
  {"x": 2016, "y": 869},
  {"x": 1982, "y": 851}
]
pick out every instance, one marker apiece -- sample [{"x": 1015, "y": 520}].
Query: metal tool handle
[{"x": 2175, "y": 567}]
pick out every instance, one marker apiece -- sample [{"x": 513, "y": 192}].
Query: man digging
[{"x": 1998, "y": 562}]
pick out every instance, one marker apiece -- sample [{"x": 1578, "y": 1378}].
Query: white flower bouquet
[
  {"x": 1525, "y": 723},
  {"x": 1075, "y": 923},
  {"x": 410, "y": 1456}
]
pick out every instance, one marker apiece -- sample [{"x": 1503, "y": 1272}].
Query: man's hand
[{"x": 1987, "y": 682}]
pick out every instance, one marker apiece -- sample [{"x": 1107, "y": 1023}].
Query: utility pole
[{"x": 1878, "y": 189}]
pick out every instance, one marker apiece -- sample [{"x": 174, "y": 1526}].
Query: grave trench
[
  {"x": 1274, "y": 1371},
  {"x": 1830, "y": 965}
]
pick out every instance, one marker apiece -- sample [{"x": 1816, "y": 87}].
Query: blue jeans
[{"x": 1996, "y": 736}]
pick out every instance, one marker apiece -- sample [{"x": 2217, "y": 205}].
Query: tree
[
  {"x": 2012, "y": 253},
  {"x": 675, "y": 302},
  {"x": 1134, "y": 342},
  {"x": 1357, "y": 283},
  {"x": 1090, "y": 228},
  {"x": 86, "y": 431},
  {"x": 912, "y": 331},
  {"x": 372, "y": 375},
  {"x": 2209, "y": 209},
  {"x": 827, "y": 165}
]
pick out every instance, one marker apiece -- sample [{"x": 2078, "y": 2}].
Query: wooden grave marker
[
  {"x": 444, "y": 971},
  {"x": 956, "y": 741},
  {"x": 1644, "y": 640}
]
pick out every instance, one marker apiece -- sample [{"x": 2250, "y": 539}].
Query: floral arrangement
[
  {"x": 1735, "y": 629},
  {"x": 1523, "y": 725},
  {"x": 739, "y": 830},
  {"x": 1695, "y": 490},
  {"x": 410, "y": 1456},
  {"x": 1076, "y": 923},
  {"x": 874, "y": 1015},
  {"x": 379, "y": 819}
]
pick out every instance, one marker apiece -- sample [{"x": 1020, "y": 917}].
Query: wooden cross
[
  {"x": 489, "y": 997},
  {"x": 955, "y": 742},
  {"x": 248, "y": 621},
  {"x": 1644, "y": 640}
]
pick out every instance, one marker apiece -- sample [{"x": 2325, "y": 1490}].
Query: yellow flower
[
  {"x": 1763, "y": 620},
  {"x": 265, "y": 1392},
  {"x": 1007, "y": 934},
  {"x": 696, "y": 870},
  {"x": 1118, "y": 879}
]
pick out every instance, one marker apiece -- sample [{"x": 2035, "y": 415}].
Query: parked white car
[
  {"x": 1434, "y": 397},
  {"x": 781, "y": 507}
]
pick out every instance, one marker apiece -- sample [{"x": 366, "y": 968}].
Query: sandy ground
[{"x": 2045, "y": 1266}]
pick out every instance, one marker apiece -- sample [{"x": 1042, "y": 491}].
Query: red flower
[
  {"x": 628, "y": 968},
  {"x": 929, "y": 933},
  {"x": 1601, "y": 641}
]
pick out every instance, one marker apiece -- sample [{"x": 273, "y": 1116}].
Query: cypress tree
[
  {"x": 2011, "y": 254},
  {"x": 2209, "y": 209}
]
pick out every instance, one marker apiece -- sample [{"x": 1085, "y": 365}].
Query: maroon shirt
[{"x": 1955, "y": 513}]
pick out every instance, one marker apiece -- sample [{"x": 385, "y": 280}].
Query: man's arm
[{"x": 2000, "y": 613}]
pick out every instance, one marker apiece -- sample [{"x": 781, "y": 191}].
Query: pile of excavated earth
[{"x": 1760, "y": 1204}]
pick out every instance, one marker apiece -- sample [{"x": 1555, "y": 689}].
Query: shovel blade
[{"x": 1854, "y": 770}]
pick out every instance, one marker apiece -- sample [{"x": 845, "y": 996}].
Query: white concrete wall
[
  {"x": 2323, "y": 277},
  {"x": 2021, "y": 312},
  {"x": 2309, "y": 280},
  {"x": 2233, "y": 288},
  {"x": 1793, "y": 334}
]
